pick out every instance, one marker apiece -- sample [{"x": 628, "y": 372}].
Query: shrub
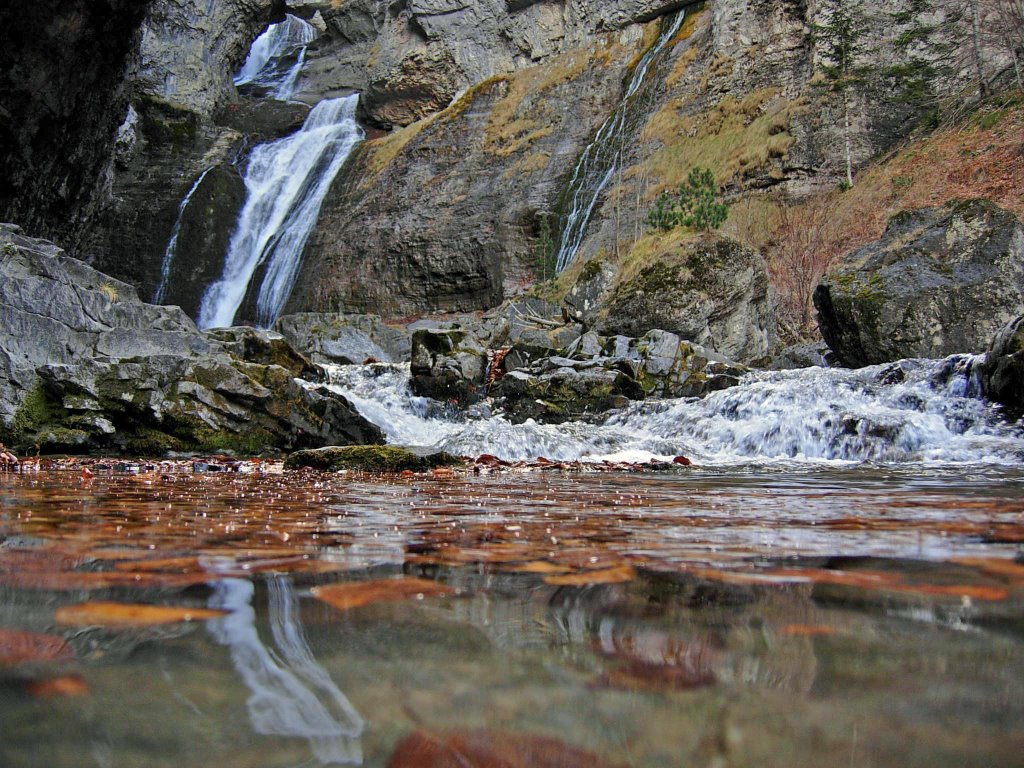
[{"x": 696, "y": 204}]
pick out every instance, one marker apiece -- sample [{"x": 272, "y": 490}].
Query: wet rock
[
  {"x": 939, "y": 281},
  {"x": 448, "y": 365},
  {"x": 710, "y": 290},
  {"x": 256, "y": 345},
  {"x": 335, "y": 339},
  {"x": 565, "y": 394},
  {"x": 368, "y": 458},
  {"x": 1002, "y": 373},
  {"x": 85, "y": 365},
  {"x": 796, "y": 356}
]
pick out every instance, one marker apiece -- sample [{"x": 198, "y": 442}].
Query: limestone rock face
[
  {"x": 712, "y": 291},
  {"x": 85, "y": 365},
  {"x": 939, "y": 281},
  {"x": 1002, "y": 374}
]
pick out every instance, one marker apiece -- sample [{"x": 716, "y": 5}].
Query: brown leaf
[
  {"x": 807, "y": 630},
  {"x": 86, "y": 580},
  {"x": 24, "y": 647},
  {"x": 488, "y": 749},
  {"x": 356, "y": 594},
  {"x": 104, "y": 614},
  {"x": 608, "y": 576}
]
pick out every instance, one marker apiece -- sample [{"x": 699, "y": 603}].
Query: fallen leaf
[
  {"x": 356, "y": 594},
  {"x": 64, "y": 686},
  {"x": 535, "y": 566},
  {"x": 608, "y": 576},
  {"x": 488, "y": 749},
  {"x": 104, "y": 614},
  {"x": 18, "y": 647},
  {"x": 807, "y": 630}
]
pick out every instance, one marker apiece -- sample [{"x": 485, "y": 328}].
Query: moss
[
  {"x": 36, "y": 411},
  {"x": 144, "y": 442},
  {"x": 368, "y": 458},
  {"x": 591, "y": 269}
]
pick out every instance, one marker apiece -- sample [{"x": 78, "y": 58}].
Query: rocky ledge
[{"x": 85, "y": 365}]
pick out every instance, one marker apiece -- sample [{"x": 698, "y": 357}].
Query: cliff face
[{"x": 62, "y": 95}]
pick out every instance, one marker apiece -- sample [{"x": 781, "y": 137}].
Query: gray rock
[
  {"x": 712, "y": 291},
  {"x": 448, "y": 365},
  {"x": 330, "y": 339},
  {"x": 85, "y": 365},
  {"x": 1002, "y": 373},
  {"x": 939, "y": 281}
]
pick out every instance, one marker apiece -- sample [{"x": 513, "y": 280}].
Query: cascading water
[
  {"x": 601, "y": 159},
  {"x": 286, "y": 182},
  {"x": 811, "y": 416},
  {"x": 276, "y": 57},
  {"x": 172, "y": 243}
]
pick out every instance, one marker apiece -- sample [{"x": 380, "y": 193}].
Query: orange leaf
[
  {"x": 66, "y": 685},
  {"x": 103, "y": 614},
  {"x": 356, "y": 594},
  {"x": 608, "y": 576},
  {"x": 807, "y": 630}
]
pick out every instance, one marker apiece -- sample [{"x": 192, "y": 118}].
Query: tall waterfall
[
  {"x": 601, "y": 160},
  {"x": 933, "y": 415},
  {"x": 276, "y": 57},
  {"x": 286, "y": 182}
]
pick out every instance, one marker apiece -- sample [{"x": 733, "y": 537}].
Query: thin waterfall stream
[
  {"x": 602, "y": 158},
  {"x": 172, "y": 244}
]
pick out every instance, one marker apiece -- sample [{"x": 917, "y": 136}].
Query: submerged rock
[
  {"x": 85, "y": 365},
  {"x": 368, "y": 458},
  {"x": 1002, "y": 373},
  {"x": 940, "y": 281}
]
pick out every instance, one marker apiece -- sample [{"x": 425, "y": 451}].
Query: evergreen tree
[
  {"x": 922, "y": 57},
  {"x": 695, "y": 204},
  {"x": 841, "y": 37}
]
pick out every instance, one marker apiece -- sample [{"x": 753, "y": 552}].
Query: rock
[
  {"x": 1002, "y": 373},
  {"x": 332, "y": 339},
  {"x": 710, "y": 290},
  {"x": 598, "y": 374},
  {"x": 85, "y": 365},
  {"x": 367, "y": 458},
  {"x": 255, "y": 345},
  {"x": 812, "y": 355},
  {"x": 448, "y": 365},
  {"x": 939, "y": 281}
]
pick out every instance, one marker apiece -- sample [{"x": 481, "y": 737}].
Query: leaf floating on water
[
  {"x": 18, "y": 647},
  {"x": 615, "y": 575},
  {"x": 60, "y": 581},
  {"x": 489, "y": 749},
  {"x": 54, "y": 687},
  {"x": 536, "y": 566},
  {"x": 356, "y": 594},
  {"x": 104, "y": 614},
  {"x": 807, "y": 630}
]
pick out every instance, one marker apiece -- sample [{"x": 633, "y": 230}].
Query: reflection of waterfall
[
  {"x": 172, "y": 244},
  {"x": 276, "y": 57},
  {"x": 928, "y": 410},
  {"x": 601, "y": 160},
  {"x": 286, "y": 182},
  {"x": 290, "y": 693}
]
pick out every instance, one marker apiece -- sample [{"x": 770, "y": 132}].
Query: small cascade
[
  {"x": 602, "y": 158},
  {"x": 276, "y": 58},
  {"x": 172, "y": 244},
  {"x": 286, "y": 182},
  {"x": 920, "y": 411}
]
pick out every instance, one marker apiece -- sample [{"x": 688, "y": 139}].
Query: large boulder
[
  {"x": 710, "y": 290},
  {"x": 1002, "y": 373},
  {"x": 939, "y": 281},
  {"x": 448, "y": 365},
  {"x": 337, "y": 339},
  {"x": 85, "y": 365}
]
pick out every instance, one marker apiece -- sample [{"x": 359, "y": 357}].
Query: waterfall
[
  {"x": 172, "y": 244},
  {"x": 286, "y": 182},
  {"x": 930, "y": 412},
  {"x": 276, "y": 57},
  {"x": 602, "y": 158}
]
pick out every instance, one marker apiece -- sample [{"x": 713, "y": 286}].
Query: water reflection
[{"x": 290, "y": 693}]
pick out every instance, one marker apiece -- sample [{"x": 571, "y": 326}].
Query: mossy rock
[{"x": 368, "y": 458}]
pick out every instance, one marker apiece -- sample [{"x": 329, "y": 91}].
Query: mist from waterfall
[
  {"x": 286, "y": 182},
  {"x": 602, "y": 158}
]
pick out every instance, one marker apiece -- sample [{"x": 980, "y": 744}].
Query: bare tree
[{"x": 1007, "y": 27}]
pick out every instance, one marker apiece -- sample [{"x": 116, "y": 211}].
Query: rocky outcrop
[
  {"x": 85, "y": 365},
  {"x": 448, "y": 365},
  {"x": 334, "y": 339},
  {"x": 939, "y": 281},
  {"x": 1002, "y": 373},
  {"x": 710, "y": 290}
]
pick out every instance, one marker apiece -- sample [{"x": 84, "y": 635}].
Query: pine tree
[
  {"x": 841, "y": 37},
  {"x": 922, "y": 54}
]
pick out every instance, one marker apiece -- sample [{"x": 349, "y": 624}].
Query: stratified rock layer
[{"x": 939, "y": 281}]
